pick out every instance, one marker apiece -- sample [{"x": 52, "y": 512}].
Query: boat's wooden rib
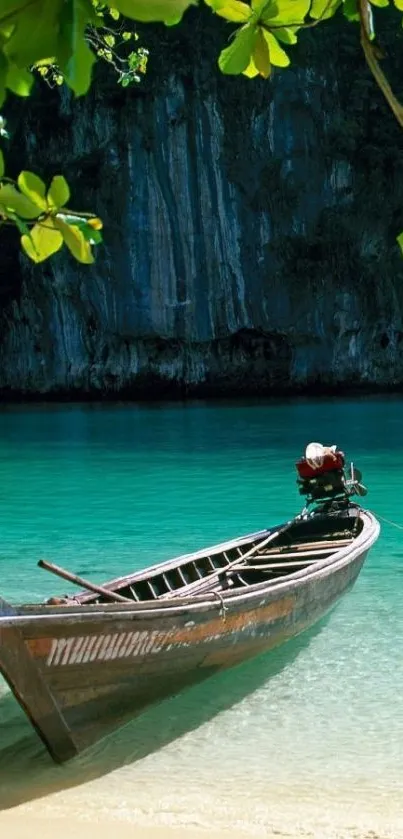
[
  {"x": 204, "y": 584},
  {"x": 167, "y": 583}
]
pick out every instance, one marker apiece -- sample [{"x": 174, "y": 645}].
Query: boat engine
[{"x": 322, "y": 475}]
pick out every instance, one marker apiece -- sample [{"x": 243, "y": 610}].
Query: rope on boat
[
  {"x": 388, "y": 521},
  {"x": 224, "y": 608}
]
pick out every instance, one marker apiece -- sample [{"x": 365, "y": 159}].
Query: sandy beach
[
  {"x": 19, "y": 826},
  {"x": 23, "y": 825},
  {"x": 33, "y": 827}
]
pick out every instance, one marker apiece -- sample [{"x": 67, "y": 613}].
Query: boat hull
[{"x": 80, "y": 672}]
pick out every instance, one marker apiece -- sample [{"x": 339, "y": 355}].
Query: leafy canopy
[{"x": 61, "y": 41}]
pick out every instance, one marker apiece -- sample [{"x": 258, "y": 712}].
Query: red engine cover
[{"x": 329, "y": 465}]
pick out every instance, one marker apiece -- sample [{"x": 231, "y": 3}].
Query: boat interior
[{"x": 270, "y": 556}]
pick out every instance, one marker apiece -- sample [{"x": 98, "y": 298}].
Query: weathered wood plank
[
  {"x": 320, "y": 553},
  {"x": 307, "y": 546},
  {"x": 273, "y": 565},
  {"x": 21, "y": 673}
]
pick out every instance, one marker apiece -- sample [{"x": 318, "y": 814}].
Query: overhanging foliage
[{"x": 62, "y": 39}]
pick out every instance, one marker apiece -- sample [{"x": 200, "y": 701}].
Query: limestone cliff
[{"x": 250, "y": 229}]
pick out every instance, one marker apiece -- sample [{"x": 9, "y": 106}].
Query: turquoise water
[{"x": 308, "y": 740}]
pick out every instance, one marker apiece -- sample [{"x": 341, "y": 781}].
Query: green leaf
[
  {"x": 114, "y": 13},
  {"x": 75, "y": 241},
  {"x": 10, "y": 7},
  {"x": 3, "y": 76},
  {"x": 350, "y": 10},
  {"x": 286, "y": 36},
  {"x": 34, "y": 188},
  {"x": 235, "y": 58},
  {"x": 286, "y": 12},
  {"x": 166, "y": 11},
  {"x": 78, "y": 70},
  {"x": 1, "y": 164},
  {"x": 251, "y": 70},
  {"x": 381, "y": 3},
  {"x": 90, "y": 227},
  {"x": 399, "y": 240},
  {"x": 35, "y": 31},
  {"x": 58, "y": 193},
  {"x": 110, "y": 40},
  {"x": 95, "y": 223},
  {"x": 94, "y": 237},
  {"x": 43, "y": 241},
  {"x": 399, "y": 4},
  {"x": 21, "y": 225},
  {"x": 322, "y": 9},
  {"x": 261, "y": 57},
  {"x": 19, "y": 81},
  {"x": 277, "y": 55},
  {"x": 11, "y": 199},
  {"x": 75, "y": 58},
  {"x": 232, "y": 10}
]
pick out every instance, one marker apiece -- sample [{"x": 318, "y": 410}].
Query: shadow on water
[{"x": 27, "y": 772}]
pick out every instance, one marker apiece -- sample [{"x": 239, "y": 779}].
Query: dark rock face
[{"x": 249, "y": 229}]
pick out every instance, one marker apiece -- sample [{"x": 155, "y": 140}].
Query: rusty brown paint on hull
[
  {"x": 93, "y": 673},
  {"x": 115, "y": 646}
]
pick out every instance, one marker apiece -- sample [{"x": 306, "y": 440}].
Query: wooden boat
[{"x": 81, "y": 666}]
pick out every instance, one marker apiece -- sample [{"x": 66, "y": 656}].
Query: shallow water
[{"x": 307, "y": 740}]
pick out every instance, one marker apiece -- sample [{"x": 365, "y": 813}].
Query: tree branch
[{"x": 373, "y": 63}]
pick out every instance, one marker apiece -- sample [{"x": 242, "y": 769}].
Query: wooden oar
[
  {"x": 201, "y": 585},
  {"x": 79, "y": 581}
]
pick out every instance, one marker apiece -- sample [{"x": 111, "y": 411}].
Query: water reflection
[{"x": 26, "y": 770}]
